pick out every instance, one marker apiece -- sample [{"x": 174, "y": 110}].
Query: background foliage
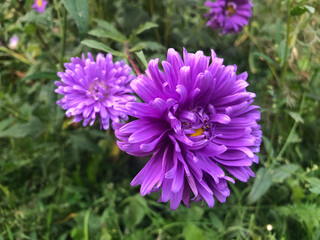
[{"x": 59, "y": 180}]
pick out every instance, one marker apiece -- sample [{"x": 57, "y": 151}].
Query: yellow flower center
[
  {"x": 231, "y": 10},
  {"x": 39, "y": 3},
  {"x": 198, "y": 132}
]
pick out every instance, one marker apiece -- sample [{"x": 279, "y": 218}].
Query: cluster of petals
[
  {"x": 198, "y": 124},
  {"x": 40, "y": 5},
  {"x": 93, "y": 88},
  {"x": 229, "y": 15}
]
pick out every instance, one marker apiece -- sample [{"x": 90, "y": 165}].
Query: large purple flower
[
  {"x": 93, "y": 88},
  {"x": 197, "y": 121},
  {"x": 229, "y": 15}
]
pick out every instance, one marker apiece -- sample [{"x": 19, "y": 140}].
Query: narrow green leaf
[
  {"x": 251, "y": 61},
  {"x": 265, "y": 57},
  {"x": 111, "y": 30},
  {"x": 9, "y": 232},
  {"x": 86, "y": 224},
  {"x": 268, "y": 146},
  {"x": 142, "y": 58},
  {"x": 261, "y": 185},
  {"x": 143, "y": 27},
  {"x": 41, "y": 75},
  {"x": 99, "y": 32},
  {"x": 278, "y": 31},
  {"x": 154, "y": 46},
  {"x": 100, "y": 46},
  {"x": 79, "y": 10},
  {"x": 47, "y": 192}
]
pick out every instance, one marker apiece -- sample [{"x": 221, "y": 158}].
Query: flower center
[
  {"x": 231, "y": 8},
  {"x": 39, "y": 3},
  {"x": 198, "y": 132},
  {"x": 98, "y": 90},
  {"x": 195, "y": 122}
]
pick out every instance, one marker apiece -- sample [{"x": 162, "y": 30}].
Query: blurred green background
[{"x": 59, "y": 180}]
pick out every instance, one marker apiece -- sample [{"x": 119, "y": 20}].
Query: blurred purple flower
[
  {"x": 94, "y": 87},
  {"x": 14, "y": 42},
  {"x": 197, "y": 120},
  {"x": 229, "y": 15},
  {"x": 40, "y": 5}
]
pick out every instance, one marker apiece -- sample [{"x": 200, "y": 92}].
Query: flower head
[
  {"x": 229, "y": 15},
  {"x": 93, "y": 88},
  {"x": 198, "y": 122},
  {"x": 14, "y": 42},
  {"x": 39, "y": 5}
]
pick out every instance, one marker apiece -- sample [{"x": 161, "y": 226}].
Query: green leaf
[
  {"x": 32, "y": 128},
  {"x": 41, "y": 75},
  {"x": 143, "y": 27},
  {"x": 264, "y": 57},
  {"x": 142, "y": 58},
  {"x": 105, "y": 235},
  {"x": 47, "y": 192},
  {"x": 5, "y": 123},
  {"x": 192, "y": 232},
  {"x": 98, "y": 32},
  {"x": 10, "y": 235},
  {"x": 16, "y": 131},
  {"x": 100, "y": 46},
  {"x": 261, "y": 185},
  {"x": 268, "y": 146},
  {"x": 296, "y": 11},
  {"x": 154, "y": 46},
  {"x": 296, "y": 116},
  {"x": 281, "y": 173},
  {"x": 133, "y": 213},
  {"x": 79, "y": 10},
  {"x": 315, "y": 185},
  {"x": 251, "y": 61},
  {"x": 112, "y": 31},
  {"x": 310, "y": 9}
]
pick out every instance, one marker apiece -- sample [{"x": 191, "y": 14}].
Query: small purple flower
[
  {"x": 197, "y": 121},
  {"x": 14, "y": 42},
  {"x": 94, "y": 87},
  {"x": 40, "y": 5},
  {"x": 229, "y": 15}
]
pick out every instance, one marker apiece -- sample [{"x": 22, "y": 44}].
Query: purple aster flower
[
  {"x": 229, "y": 15},
  {"x": 39, "y": 5},
  {"x": 94, "y": 87},
  {"x": 198, "y": 122},
  {"x": 14, "y": 42}
]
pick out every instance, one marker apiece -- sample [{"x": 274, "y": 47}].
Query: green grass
[{"x": 59, "y": 180}]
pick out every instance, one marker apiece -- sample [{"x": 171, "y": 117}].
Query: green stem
[
  {"x": 135, "y": 67},
  {"x": 285, "y": 66},
  {"x": 156, "y": 31},
  {"x": 63, "y": 34},
  {"x": 292, "y": 131},
  {"x": 167, "y": 23}
]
